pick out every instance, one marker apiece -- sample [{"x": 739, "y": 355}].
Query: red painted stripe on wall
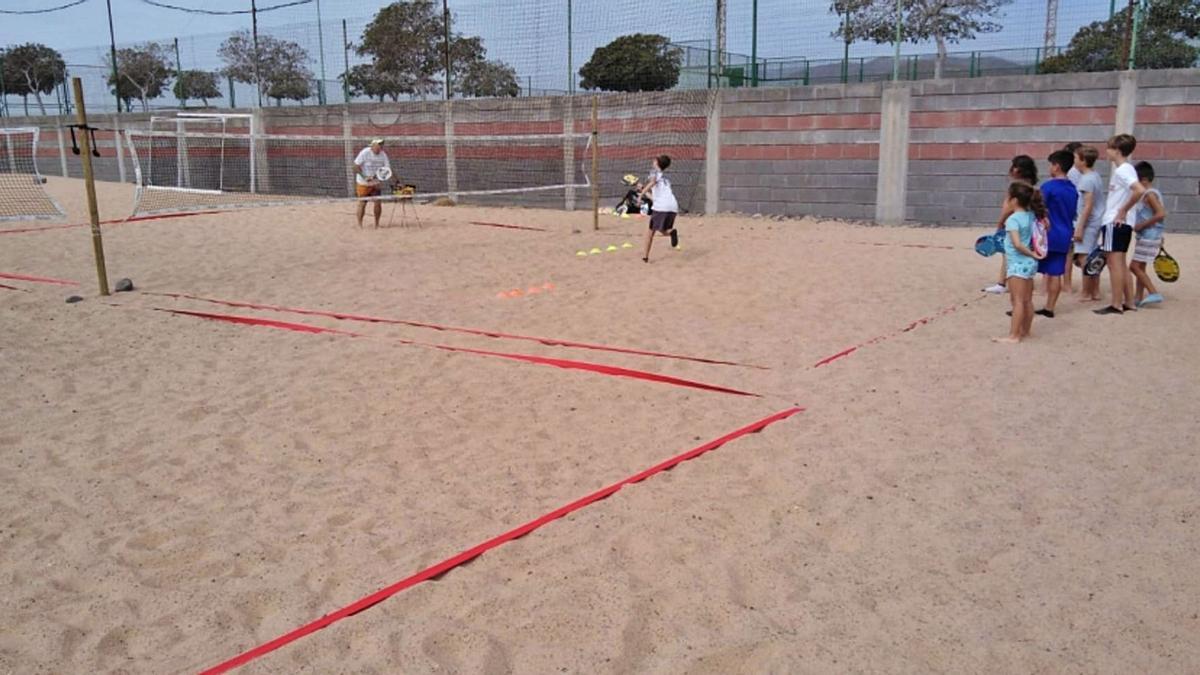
[
  {"x": 507, "y": 128},
  {"x": 800, "y": 152},
  {"x": 645, "y": 125},
  {"x": 1038, "y": 151},
  {"x": 1012, "y": 118},
  {"x": 800, "y": 122},
  {"x": 392, "y": 130},
  {"x": 1168, "y": 114}
]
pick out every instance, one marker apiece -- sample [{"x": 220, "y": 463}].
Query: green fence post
[
  {"x": 232, "y": 100},
  {"x": 346, "y": 61},
  {"x": 1037, "y": 60},
  {"x": 806, "y": 72},
  {"x": 178, "y": 75},
  {"x": 861, "y": 63}
]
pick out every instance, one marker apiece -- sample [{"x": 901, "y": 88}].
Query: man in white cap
[{"x": 367, "y": 168}]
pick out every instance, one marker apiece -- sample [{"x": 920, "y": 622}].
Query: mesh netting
[{"x": 22, "y": 195}]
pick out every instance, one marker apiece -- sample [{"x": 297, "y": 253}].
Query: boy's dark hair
[
  {"x": 1145, "y": 171},
  {"x": 664, "y": 162},
  {"x": 1072, "y": 147},
  {"x": 1028, "y": 197},
  {"x": 1063, "y": 159},
  {"x": 1025, "y": 169},
  {"x": 1089, "y": 155},
  {"x": 1123, "y": 143}
]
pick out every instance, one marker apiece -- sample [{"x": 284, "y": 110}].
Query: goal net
[
  {"x": 22, "y": 192},
  {"x": 486, "y": 151}
]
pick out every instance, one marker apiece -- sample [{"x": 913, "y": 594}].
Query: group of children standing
[{"x": 1078, "y": 218}]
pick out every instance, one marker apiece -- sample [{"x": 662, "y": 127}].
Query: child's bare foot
[{"x": 1006, "y": 340}]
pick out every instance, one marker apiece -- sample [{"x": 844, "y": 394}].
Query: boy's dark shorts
[
  {"x": 1115, "y": 238},
  {"x": 662, "y": 221}
]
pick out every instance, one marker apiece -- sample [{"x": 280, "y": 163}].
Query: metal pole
[
  {"x": 446, "y": 26},
  {"x": 179, "y": 76},
  {"x": 899, "y": 35},
  {"x": 721, "y": 11},
  {"x": 570, "y": 51},
  {"x": 112, "y": 53},
  {"x": 846, "y": 50},
  {"x": 3, "y": 92},
  {"x": 321, "y": 46},
  {"x": 1133, "y": 39},
  {"x": 754, "y": 44},
  {"x": 346, "y": 58},
  {"x": 1112, "y": 9},
  {"x": 89, "y": 182},
  {"x": 254, "y": 31}
]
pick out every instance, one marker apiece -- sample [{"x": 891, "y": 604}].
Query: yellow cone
[
  {"x": 627, "y": 245},
  {"x": 611, "y": 248},
  {"x": 595, "y": 251},
  {"x": 581, "y": 254}
]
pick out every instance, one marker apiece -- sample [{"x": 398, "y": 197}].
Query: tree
[
  {"x": 1163, "y": 36},
  {"x": 142, "y": 73},
  {"x": 485, "y": 78},
  {"x": 32, "y": 69},
  {"x": 943, "y": 21},
  {"x": 407, "y": 45},
  {"x": 199, "y": 84},
  {"x": 636, "y": 62},
  {"x": 282, "y": 65},
  {"x": 405, "y": 41}
]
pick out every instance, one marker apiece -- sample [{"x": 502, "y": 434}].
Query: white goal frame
[
  {"x": 180, "y": 161},
  {"x": 36, "y": 132}
]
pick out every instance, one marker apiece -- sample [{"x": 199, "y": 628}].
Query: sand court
[{"x": 181, "y": 490}]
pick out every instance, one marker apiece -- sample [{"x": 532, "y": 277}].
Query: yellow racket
[{"x": 1166, "y": 267}]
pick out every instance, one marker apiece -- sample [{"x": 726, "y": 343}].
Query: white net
[
  {"x": 22, "y": 192},
  {"x": 521, "y": 154}
]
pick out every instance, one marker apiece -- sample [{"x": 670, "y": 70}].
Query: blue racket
[
  {"x": 990, "y": 244},
  {"x": 1094, "y": 264}
]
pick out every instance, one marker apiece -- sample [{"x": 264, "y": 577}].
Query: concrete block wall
[
  {"x": 1167, "y": 126},
  {"x": 964, "y": 133},
  {"x": 811, "y": 150}
]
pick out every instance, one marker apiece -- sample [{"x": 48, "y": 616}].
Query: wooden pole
[
  {"x": 89, "y": 183},
  {"x": 595, "y": 163}
]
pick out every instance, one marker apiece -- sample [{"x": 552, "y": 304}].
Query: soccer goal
[
  {"x": 22, "y": 192},
  {"x": 205, "y": 161}
]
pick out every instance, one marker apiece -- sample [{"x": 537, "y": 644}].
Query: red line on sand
[
  {"x": 887, "y": 336},
  {"x": 551, "y": 342},
  {"x": 476, "y": 551},
  {"x": 568, "y": 364},
  {"x": 114, "y": 221},
  {"x": 39, "y": 280},
  {"x": 510, "y": 227}
]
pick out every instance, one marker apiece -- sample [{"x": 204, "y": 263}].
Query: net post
[
  {"x": 595, "y": 162},
  {"x": 348, "y": 149},
  {"x": 451, "y": 160},
  {"x": 120, "y": 150},
  {"x": 89, "y": 182},
  {"x": 569, "y": 152},
  {"x": 62, "y": 150}
]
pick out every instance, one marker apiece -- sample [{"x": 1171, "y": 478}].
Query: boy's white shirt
[
  {"x": 1120, "y": 191},
  {"x": 660, "y": 192}
]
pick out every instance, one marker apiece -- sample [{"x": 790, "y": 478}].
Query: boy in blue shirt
[{"x": 1061, "y": 199}]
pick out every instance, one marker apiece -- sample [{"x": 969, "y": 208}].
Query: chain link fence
[{"x": 544, "y": 44}]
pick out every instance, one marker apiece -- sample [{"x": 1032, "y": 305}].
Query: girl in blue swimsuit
[{"x": 1025, "y": 202}]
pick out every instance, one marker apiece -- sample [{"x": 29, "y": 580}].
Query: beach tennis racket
[
  {"x": 990, "y": 244},
  {"x": 383, "y": 174},
  {"x": 1166, "y": 267},
  {"x": 1094, "y": 264}
]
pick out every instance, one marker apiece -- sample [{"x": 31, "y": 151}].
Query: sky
[{"x": 528, "y": 34}]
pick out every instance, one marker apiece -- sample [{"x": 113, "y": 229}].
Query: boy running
[
  {"x": 1060, "y": 197},
  {"x": 1089, "y": 216},
  {"x": 1124, "y": 192},
  {"x": 664, "y": 209}
]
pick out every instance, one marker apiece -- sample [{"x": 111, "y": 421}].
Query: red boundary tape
[
  {"x": 474, "y": 552},
  {"x": 882, "y": 338},
  {"x": 528, "y": 358},
  {"x": 39, "y": 280},
  {"x": 115, "y": 221},
  {"x": 550, "y": 342},
  {"x": 510, "y": 227}
]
